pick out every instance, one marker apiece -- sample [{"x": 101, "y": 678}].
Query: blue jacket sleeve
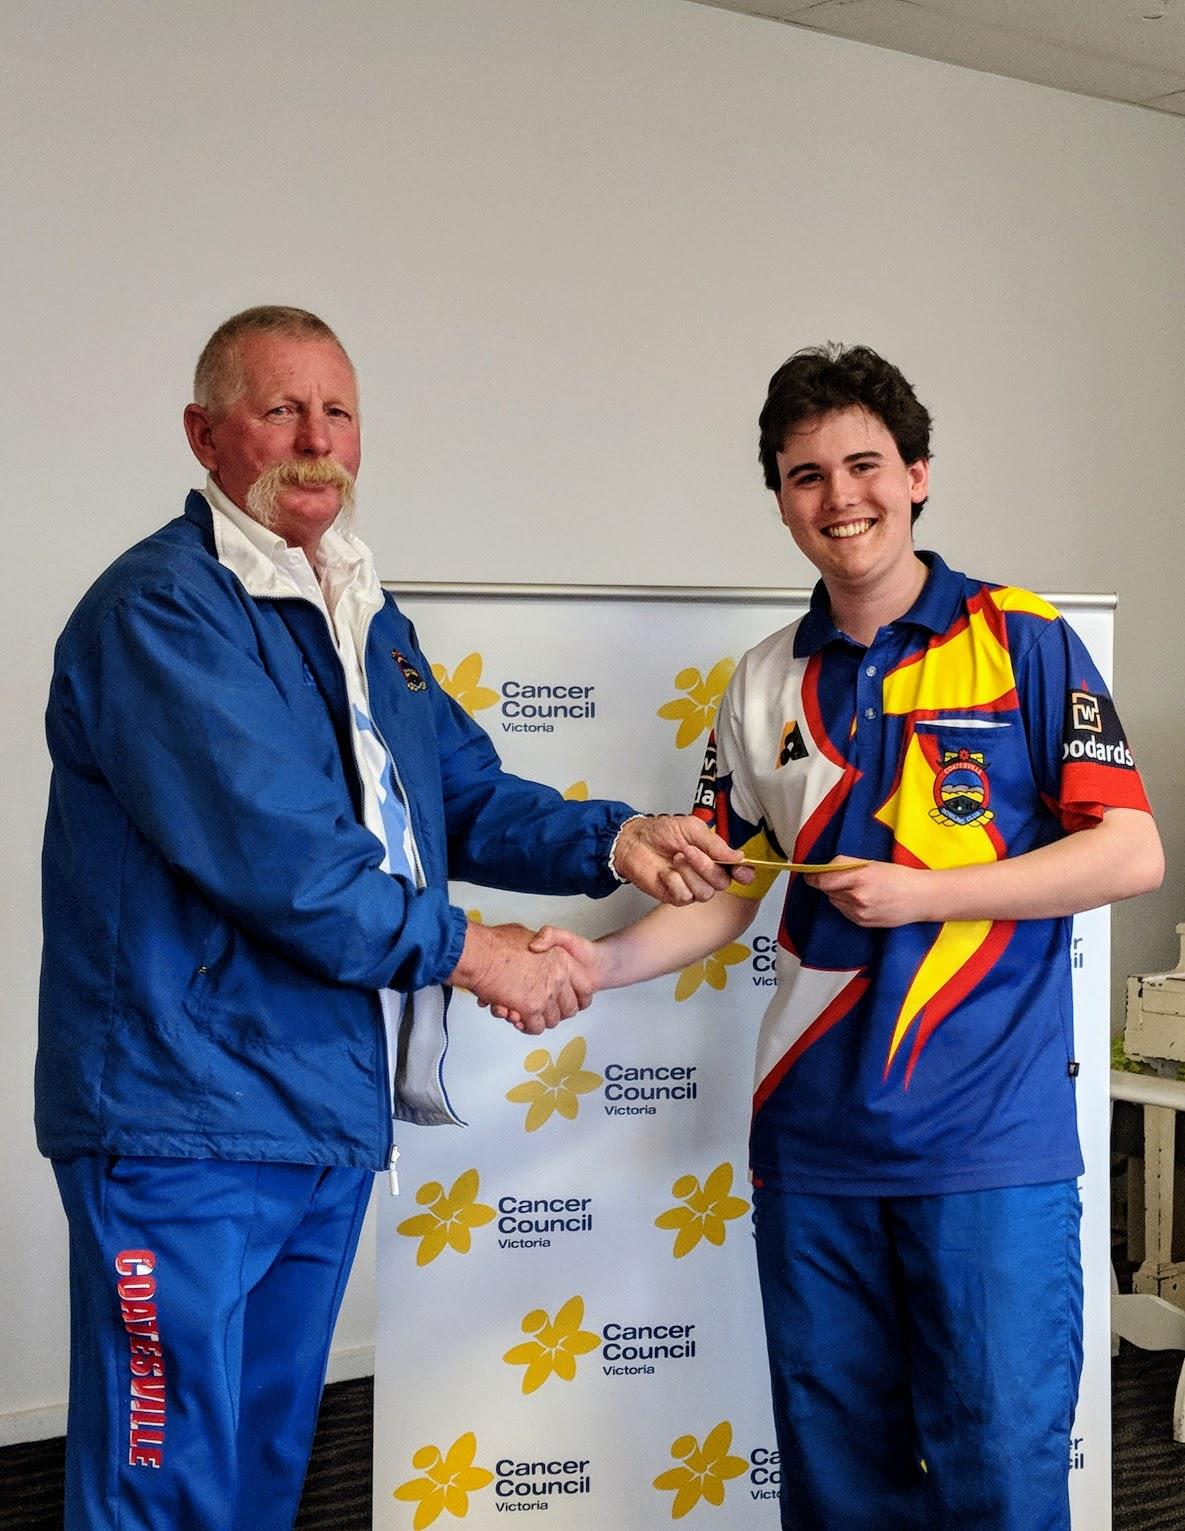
[{"x": 201, "y": 751}]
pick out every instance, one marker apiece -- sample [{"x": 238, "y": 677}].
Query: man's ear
[
  {"x": 200, "y": 431},
  {"x": 919, "y": 479}
]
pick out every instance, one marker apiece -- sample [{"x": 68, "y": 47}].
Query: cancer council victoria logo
[
  {"x": 557, "y": 1086},
  {"x": 450, "y": 1218},
  {"x": 447, "y": 1478},
  {"x": 696, "y": 708},
  {"x": 713, "y": 970},
  {"x": 464, "y": 684},
  {"x": 703, "y": 1211},
  {"x": 554, "y": 1344},
  {"x": 702, "y": 1471}
]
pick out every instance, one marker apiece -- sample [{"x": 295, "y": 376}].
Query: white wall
[{"x": 567, "y": 243}]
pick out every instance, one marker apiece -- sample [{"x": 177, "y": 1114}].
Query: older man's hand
[
  {"x": 677, "y": 859},
  {"x": 533, "y": 990}
]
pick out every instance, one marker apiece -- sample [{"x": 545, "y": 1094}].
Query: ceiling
[{"x": 1121, "y": 50}]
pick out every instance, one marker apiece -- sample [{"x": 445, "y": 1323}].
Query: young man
[{"x": 914, "y": 1146}]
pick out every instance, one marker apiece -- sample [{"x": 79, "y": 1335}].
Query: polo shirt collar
[{"x": 935, "y": 609}]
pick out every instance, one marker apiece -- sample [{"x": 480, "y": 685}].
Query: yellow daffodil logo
[
  {"x": 448, "y": 1479},
  {"x": 556, "y": 1344},
  {"x": 703, "y": 1470},
  {"x": 712, "y": 970},
  {"x": 557, "y": 1087},
  {"x": 704, "y": 1211},
  {"x": 464, "y": 684},
  {"x": 577, "y": 792},
  {"x": 695, "y": 710},
  {"x": 450, "y": 1219}
]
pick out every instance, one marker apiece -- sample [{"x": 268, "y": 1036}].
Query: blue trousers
[
  {"x": 925, "y": 1354},
  {"x": 203, "y": 1296}
]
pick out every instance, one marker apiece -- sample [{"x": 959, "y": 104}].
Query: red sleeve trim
[{"x": 1088, "y": 790}]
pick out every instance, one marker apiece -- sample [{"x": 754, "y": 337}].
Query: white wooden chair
[{"x": 1143, "y": 1317}]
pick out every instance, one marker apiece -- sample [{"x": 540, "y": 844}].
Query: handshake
[
  {"x": 537, "y": 980},
  {"x": 532, "y": 979}
]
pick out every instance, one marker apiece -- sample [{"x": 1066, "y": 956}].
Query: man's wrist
[
  {"x": 474, "y": 958},
  {"x": 621, "y": 829}
]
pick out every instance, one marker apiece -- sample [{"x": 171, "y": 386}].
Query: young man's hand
[{"x": 879, "y": 894}]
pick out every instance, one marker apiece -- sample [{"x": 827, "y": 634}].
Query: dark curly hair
[{"x": 820, "y": 379}]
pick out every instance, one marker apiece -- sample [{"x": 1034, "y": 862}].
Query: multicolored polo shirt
[{"x": 933, "y": 1057}]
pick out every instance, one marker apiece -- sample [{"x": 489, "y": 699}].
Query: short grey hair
[{"x": 219, "y": 379}]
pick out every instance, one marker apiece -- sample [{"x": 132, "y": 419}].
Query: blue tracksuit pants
[
  {"x": 203, "y": 1296},
  {"x": 925, "y": 1353}
]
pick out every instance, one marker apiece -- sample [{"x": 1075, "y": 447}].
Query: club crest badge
[
  {"x": 415, "y": 681},
  {"x": 962, "y": 791}
]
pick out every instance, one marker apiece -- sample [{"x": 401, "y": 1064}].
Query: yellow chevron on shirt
[
  {"x": 1012, "y": 598},
  {"x": 759, "y": 848},
  {"x": 972, "y": 668},
  {"x": 956, "y": 943}
]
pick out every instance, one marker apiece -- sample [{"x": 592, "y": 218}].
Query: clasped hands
[{"x": 531, "y": 979}]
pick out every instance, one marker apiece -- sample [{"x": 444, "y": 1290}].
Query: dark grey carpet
[{"x": 1149, "y": 1465}]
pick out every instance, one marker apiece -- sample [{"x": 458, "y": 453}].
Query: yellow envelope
[{"x": 803, "y": 866}]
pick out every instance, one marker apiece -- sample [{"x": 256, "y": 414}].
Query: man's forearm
[
  {"x": 668, "y": 939},
  {"x": 1117, "y": 859}
]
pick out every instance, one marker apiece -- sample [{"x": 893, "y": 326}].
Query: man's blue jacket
[{"x": 217, "y": 926}]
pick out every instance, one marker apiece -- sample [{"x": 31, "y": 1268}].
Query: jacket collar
[
  {"x": 934, "y": 610},
  {"x": 263, "y": 562}
]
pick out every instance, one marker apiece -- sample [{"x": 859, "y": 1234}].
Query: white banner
[{"x": 569, "y": 1319}]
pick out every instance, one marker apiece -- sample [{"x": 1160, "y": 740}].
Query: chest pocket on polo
[{"x": 961, "y": 782}]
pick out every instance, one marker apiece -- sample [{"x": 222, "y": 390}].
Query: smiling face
[
  {"x": 299, "y": 406},
  {"x": 847, "y": 499}
]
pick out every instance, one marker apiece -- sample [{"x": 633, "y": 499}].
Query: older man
[{"x": 258, "y": 795}]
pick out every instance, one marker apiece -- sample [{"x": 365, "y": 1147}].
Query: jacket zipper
[{"x": 421, "y": 877}]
